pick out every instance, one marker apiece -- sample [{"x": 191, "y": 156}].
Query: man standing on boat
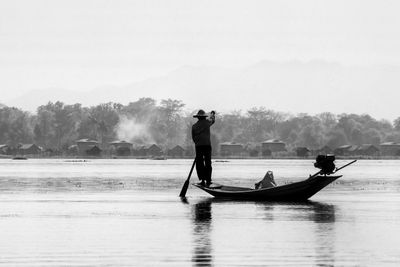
[{"x": 202, "y": 141}]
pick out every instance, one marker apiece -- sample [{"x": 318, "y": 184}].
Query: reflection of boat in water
[
  {"x": 317, "y": 212},
  {"x": 323, "y": 213},
  {"x": 296, "y": 191},
  {"x": 211, "y": 215}
]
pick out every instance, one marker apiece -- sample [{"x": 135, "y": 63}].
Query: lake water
[{"x": 62, "y": 212}]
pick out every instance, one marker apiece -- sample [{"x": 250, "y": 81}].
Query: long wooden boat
[{"x": 297, "y": 191}]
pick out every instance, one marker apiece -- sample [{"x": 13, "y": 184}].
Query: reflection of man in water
[
  {"x": 202, "y": 227},
  {"x": 202, "y": 141}
]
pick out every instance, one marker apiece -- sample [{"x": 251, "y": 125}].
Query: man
[{"x": 202, "y": 141}]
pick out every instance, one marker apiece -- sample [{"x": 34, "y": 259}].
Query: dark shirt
[{"x": 201, "y": 132}]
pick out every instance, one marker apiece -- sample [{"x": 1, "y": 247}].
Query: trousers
[{"x": 203, "y": 163}]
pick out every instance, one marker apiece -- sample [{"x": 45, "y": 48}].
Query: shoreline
[{"x": 214, "y": 158}]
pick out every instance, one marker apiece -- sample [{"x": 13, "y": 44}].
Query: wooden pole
[
  {"x": 186, "y": 184},
  {"x": 345, "y": 165}
]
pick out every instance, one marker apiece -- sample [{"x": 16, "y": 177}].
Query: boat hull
[{"x": 298, "y": 191}]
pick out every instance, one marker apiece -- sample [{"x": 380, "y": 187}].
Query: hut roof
[
  {"x": 344, "y": 147},
  {"x": 353, "y": 148},
  {"x": 86, "y": 140},
  {"x": 117, "y": 142},
  {"x": 390, "y": 144},
  {"x": 367, "y": 146},
  {"x": 177, "y": 147},
  {"x": 273, "y": 141},
  {"x": 302, "y": 148},
  {"x": 231, "y": 144},
  {"x": 152, "y": 146},
  {"x": 27, "y": 146}
]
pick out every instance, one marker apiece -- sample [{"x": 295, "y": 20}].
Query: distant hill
[
  {"x": 293, "y": 86},
  {"x": 2, "y": 105},
  {"x": 33, "y": 99}
]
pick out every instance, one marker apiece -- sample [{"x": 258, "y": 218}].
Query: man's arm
[{"x": 193, "y": 133}]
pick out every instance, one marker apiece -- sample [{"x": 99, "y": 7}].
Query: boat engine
[{"x": 325, "y": 163}]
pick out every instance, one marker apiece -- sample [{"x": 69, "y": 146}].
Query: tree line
[{"x": 166, "y": 123}]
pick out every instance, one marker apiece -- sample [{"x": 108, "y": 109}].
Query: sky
[{"x": 81, "y": 45}]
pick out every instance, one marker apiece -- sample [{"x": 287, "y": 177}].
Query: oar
[
  {"x": 186, "y": 184},
  {"x": 345, "y": 165}
]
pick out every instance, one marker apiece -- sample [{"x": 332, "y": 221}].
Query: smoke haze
[{"x": 129, "y": 129}]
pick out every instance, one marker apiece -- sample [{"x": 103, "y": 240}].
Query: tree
[
  {"x": 347, "y": 123},
  {"x": 227, "y": 127},
  {"x": 396, "y": 124},
  {"x": 287, "y": 128},
  {"x": 310, "y": 136},
  {"x": 328, "y": 120},
  {"x": 258, "y": 124},
  {"x": 44, "y": 129},
  {"x": 372, "y": 136},
  {"x": 170, "y": 121},
  {"x": 141, "y": 110},
  {"x": 336, "y": 138},
  {"x": 87, "y": 127},
  {"x": 393, "y": 137},
  {"x": 15, "y": 126},
  {"x": 103, "y": 119},
  {"x": 56, "y": 124},
  {"x": 356, "y": 136}
]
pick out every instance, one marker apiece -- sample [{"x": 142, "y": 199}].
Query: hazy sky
[{"x": 81, "y": 44}]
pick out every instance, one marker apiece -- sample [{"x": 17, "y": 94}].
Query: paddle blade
[
  {"x": 186, "y": 184},
  {"x": 184, "y": 188}
]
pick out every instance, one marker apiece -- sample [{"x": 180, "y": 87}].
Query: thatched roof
[{"x": 87, "y": 140}]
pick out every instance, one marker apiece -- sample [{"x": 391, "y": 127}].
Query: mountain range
[{"x": 292, "y": 86}]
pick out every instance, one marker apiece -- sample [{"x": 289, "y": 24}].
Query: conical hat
[{"x": 200, "y": 114}]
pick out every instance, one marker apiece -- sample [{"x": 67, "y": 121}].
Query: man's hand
[{"x": 212, "y": 116}]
